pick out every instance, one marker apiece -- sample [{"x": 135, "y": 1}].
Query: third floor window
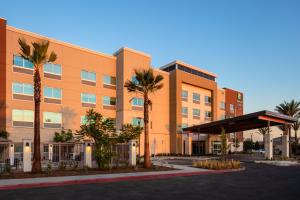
[
  {"x": 22, "y": 88},
  {"x": 52, "y": 68},
  {"x": 88, "y": 76},
  {"x": 54, "y": 93},
  {"x": 21, "y": 62},
  {"x": 109, "y": 80},
  {"x": 207, "y": 100},
  {"x": 184, "y": 95}
]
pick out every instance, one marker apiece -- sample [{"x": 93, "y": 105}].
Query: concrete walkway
[{"x": 63, "y": 180}]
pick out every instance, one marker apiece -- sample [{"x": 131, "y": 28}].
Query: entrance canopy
[{"x": 242, "y": 123}]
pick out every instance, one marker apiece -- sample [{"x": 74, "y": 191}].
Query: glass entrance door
[
  {"x": 198, "y": 147},
  {"x": 216, "y": 148}
]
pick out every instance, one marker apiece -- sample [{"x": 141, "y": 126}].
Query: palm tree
[
  {"x": 264, "y": 131},
  {"x": 145, "y": 83},
  {"x": 296, "y": 127},
  {"x": 38, "y": 56},
  {"x": 291, "y": 109}
]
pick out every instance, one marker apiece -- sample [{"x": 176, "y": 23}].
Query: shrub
[
  {"x": 63, "y": 136},
  {"x": 217, "y": 164}
]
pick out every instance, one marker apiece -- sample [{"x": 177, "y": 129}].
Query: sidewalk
[{"x": 70, "y": 180}]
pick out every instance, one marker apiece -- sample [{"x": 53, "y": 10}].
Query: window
[
  {"x": 53, "y": 118},
  {"x": 222, "y": 117},
  {"x": 231, "y": 108},
  {"x": 184, "y": 111},
  {"x": 88, "y": 76},
  {"x": 109, "y": 80},
  {"x": 196, "y": 112},
  {"x": 110, "y": 101},
  {"x": 88, "y": 98},
  {"x": 208, "y": 114},
  {"x": 137, "y": 102},
  {"x": 22, "y": 88},
  {"x": 134, "y": 80},
  {"x": 21, "y": 62},
  {"x": 184, "y": 95},
  {"x": 23, "y": 115},
  {"x": 52, "y": 68},
  {"x": 196, "y": 98},
  {"x": 222, "y": 105},
  {"x": 83, "y": 120},
  {"x": 54, "y": 93},
  {"x": 184, "y": 125},
  {"x": 207, "y": 100},
  {"x": 239, "y": 96},
  {"x": 137, "y": 121}
]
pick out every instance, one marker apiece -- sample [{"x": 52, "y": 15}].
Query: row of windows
[
  {"x": 196, "y": 112},
  {"x": 196, "y": 97},
  {"x": 28, "y": 116},
  {"x": 56, "y": 118},
  {"x": 57, "y": 70}
]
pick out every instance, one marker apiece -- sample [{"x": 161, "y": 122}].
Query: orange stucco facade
[{"x": 166, "y": 117}]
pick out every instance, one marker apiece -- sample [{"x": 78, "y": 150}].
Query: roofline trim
[
  {"x": 131, "y": 50},
  {"x": 11, "y": 28}
]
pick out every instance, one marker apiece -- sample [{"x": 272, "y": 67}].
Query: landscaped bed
[
  {"x": 87, "y": 171},
  {"x": 218, "y": 164}
]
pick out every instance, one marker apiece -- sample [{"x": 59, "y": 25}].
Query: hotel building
[{"x": 81, "y": 79}]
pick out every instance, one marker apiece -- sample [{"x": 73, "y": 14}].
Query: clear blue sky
[{"x": 254, "y": 46}]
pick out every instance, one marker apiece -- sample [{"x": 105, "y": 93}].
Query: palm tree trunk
[
  {"x": 290, "y": 144},
  {"x": 147, "y": 162},
  {"x": 296, "y": 136},
  {"x": 36, "y": 166}
]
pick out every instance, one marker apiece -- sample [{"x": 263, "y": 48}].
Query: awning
[{"x": 250, "y": 121}]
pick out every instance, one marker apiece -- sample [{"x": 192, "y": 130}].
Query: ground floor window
[{"x": 216, "y": 147}]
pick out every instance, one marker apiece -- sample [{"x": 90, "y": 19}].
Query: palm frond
[{"x": 25, "y": 49}]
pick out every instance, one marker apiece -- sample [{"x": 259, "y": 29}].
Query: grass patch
[{"x": 218, "y": 164}]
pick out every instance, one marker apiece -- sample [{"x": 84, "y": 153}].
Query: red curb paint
[{"x": 106, "y": 180}]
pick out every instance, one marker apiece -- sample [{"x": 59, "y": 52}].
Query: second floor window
[
  {"x": 196, "y": 112},
  {"x": 88, "y": 76},
  {"x": 208, "y": 114},
  {"x": 137, "y": 121},
  {"x": 222, "y": 105},
  {"x": 23, "y": 115},
  {"x": 196, "y": 98},
  {"x": 109, "y": 80},
  {"x": 21, "y": 62},
  {"x": 54, "y": 93},
  {"x": 88, "y": 98},
  {"x": 231, "y": 108},
  {"x": 53, "y": 118},
  {"x": 22, "y": 88},
  {"x": 109, "y": 101},
  {"x": 52, "y": 68},
  {"x": 207, "y": 100},
  {"x": 137, "y": 102},
  {"x": 184, "y": 111},
  {"x": 184, "y": 95}
]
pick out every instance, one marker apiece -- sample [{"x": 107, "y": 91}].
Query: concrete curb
[{"x": 115, "y": 179}]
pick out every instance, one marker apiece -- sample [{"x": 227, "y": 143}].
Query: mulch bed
[{"x": 77, "y": 172}]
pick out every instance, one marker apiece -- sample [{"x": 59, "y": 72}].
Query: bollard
[
  {"x": 88, "y": 154},
  {"x": 27, "y": 155},
  {"x": 132, "y": 152}
]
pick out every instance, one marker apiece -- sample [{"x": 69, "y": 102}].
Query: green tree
[
  {"x": 63, "y": 136},
  {"x": 129, "y": 132},
  {"x": 263, "y": 132},
  {"x": 103, "y": 133},
  {"x": 224, "y": 145},
  {"x": 38, "y": 56},
  {"x": 291, "y": 109},
  {"x": 296, "y": 126},
  {"x": 248, "y": 145},
  {"x": 145, "y": 83}
]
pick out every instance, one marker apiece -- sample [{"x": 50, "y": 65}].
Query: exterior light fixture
[
  {"x": 27, "y": 144},
  {"x": 88, "y": 144},
  {"x": 11, "y": 145}
]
